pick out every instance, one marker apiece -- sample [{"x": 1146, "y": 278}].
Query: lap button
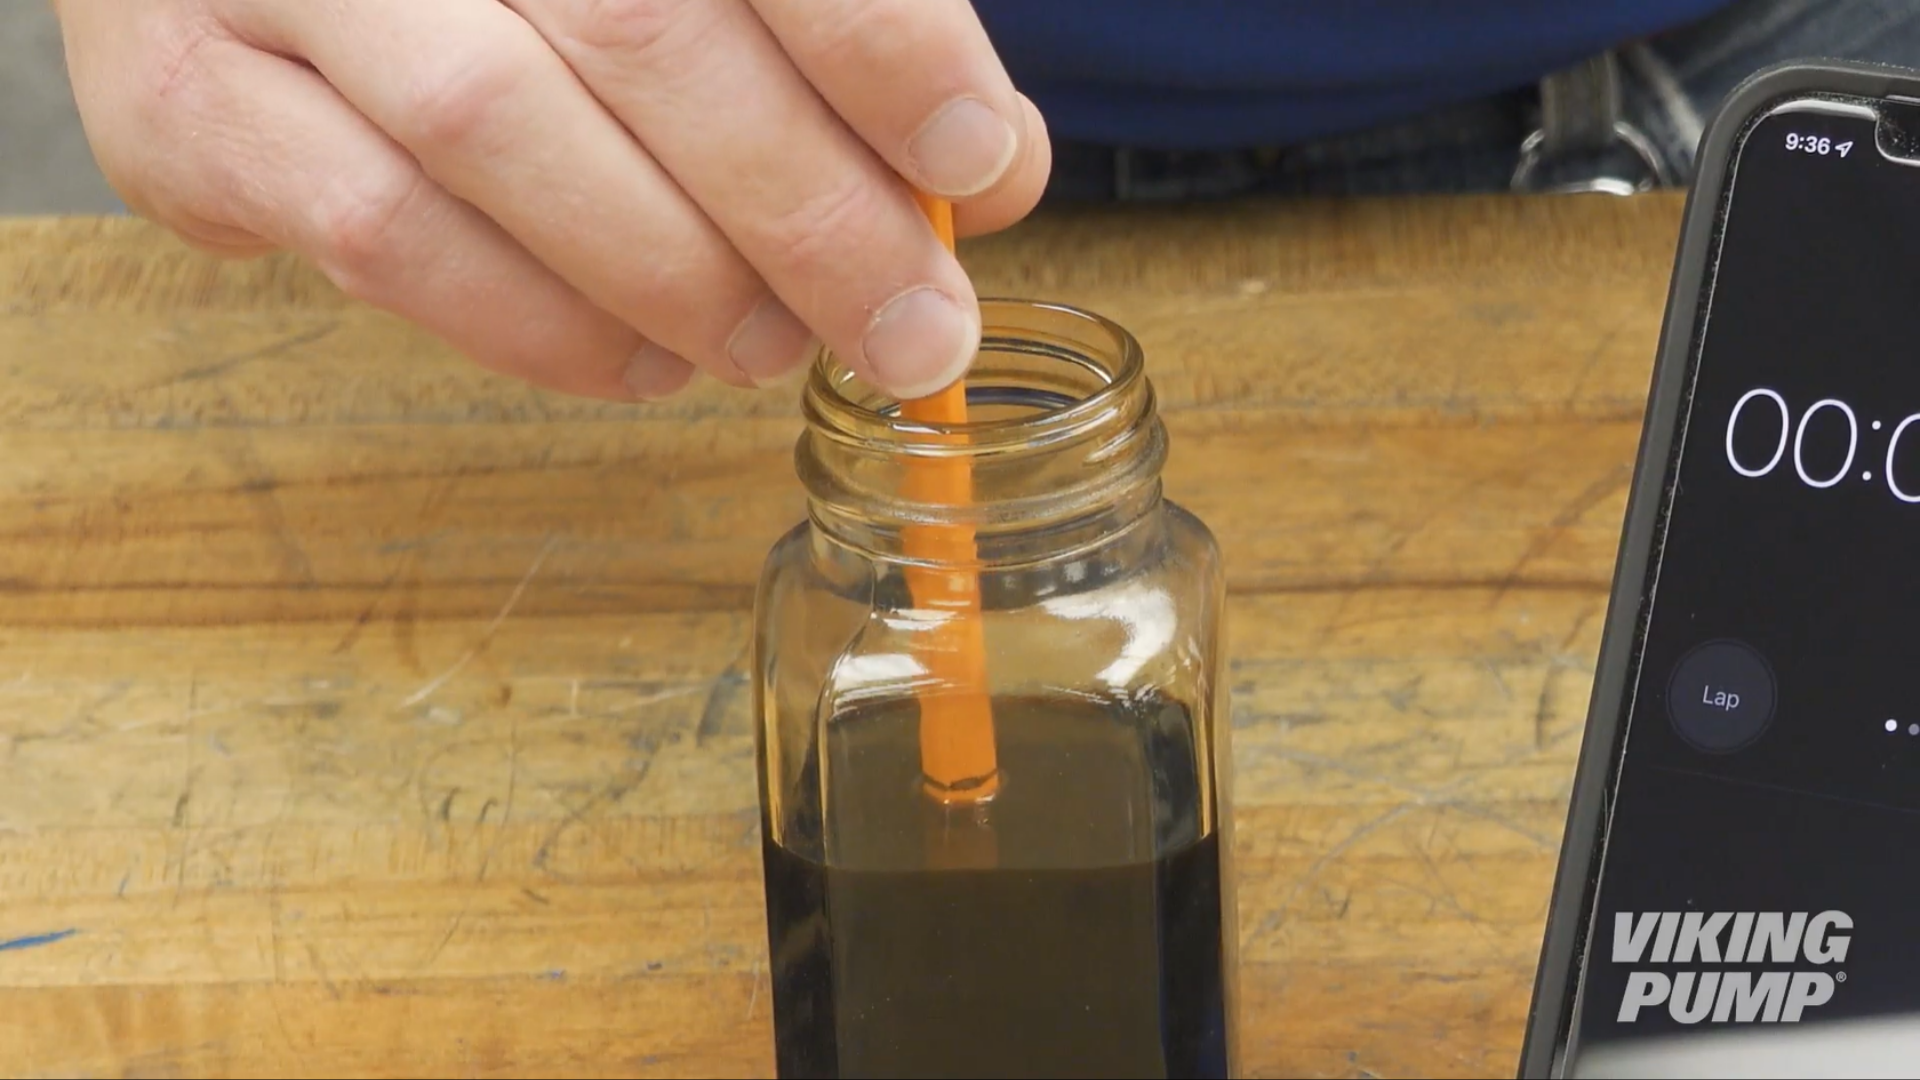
[{"x": 1721, "y": 697}]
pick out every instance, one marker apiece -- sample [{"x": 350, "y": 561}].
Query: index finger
[
  {"x": 830, "y": 228},
  {"x": 920, "y": 83}
]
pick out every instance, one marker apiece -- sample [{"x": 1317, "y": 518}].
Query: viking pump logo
[{"x": 1783, "y": 944}]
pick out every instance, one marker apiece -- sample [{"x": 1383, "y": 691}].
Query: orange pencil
[{"x": 957, "y": 751}]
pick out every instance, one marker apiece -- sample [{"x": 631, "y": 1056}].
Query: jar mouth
[{"x": 1044, "y": 372}]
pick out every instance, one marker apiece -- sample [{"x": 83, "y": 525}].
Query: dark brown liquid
[{"x": 1076, "y": 927}]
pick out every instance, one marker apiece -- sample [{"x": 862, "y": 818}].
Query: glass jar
[{"x": 992, "y": 758}]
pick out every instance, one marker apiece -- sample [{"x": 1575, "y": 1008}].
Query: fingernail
[
  {"x": 770, "y": 343},
  {"x": 796, "y": 376},
  {"x": 656, "y": 373},
  {"x": 963, "y": 150},
  {"x": 920, "y": 343}
]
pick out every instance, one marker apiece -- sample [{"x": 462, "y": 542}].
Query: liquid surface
[{"x": 1076, "y": 926}]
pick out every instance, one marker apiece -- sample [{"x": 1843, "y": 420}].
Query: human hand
[{"x": 597, "y": 196}]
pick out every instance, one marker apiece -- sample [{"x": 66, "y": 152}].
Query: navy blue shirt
[{"x": 1229, "y": 74}]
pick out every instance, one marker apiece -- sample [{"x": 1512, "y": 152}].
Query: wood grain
[{"x": 363, "y": 714}]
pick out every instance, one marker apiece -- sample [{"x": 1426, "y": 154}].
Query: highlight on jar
[{"x": 991, "y": 732}]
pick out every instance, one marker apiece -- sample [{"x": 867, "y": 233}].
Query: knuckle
[
  {"x": 653, "y": 35},
  {"x": 170, "y": 87},
  {"x": 354, "y": 226},
  {"x": 455, "y": 102},
  {"x": 154, "y": 126},
  {"x": 174, "y": 68},
  {"x": 863, "y": 33},
  {"x": 817, "y": 235}
]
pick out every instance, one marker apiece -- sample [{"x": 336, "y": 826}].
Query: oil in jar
[{"x": 1074, "y": 925}]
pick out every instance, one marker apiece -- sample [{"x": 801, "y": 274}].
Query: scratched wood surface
[{"x": 363, "y": 714}]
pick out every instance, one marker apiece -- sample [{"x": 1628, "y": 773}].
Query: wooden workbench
[{"x": 364, "y": 714}]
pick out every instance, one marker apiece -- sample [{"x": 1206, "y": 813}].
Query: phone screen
[{"x": 1758, "y": 903}]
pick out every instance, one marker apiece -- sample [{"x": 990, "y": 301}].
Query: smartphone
[{"x": 1738, "y": 892}]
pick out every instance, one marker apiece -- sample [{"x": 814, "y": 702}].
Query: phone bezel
[{"x": 1550, "y": 1014}]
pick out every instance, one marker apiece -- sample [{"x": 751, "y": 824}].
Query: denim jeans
[{"x": 1669, "y": 85}]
